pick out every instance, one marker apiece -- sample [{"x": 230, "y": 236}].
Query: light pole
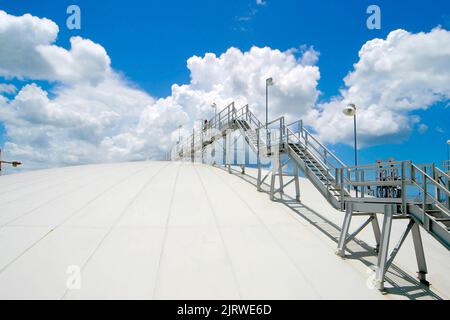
[
  {"x": 269, "y": 82},
  {"x": 214, "y": 106},
  {"x": 201, "y": 136},
  {"x": 15, "y": 164},
  {"x": 350, "y": 110},
  {"x": 448, "y": 150},
  {"x": 179, "y": 133},
  {"x": 448, "y": 155}
]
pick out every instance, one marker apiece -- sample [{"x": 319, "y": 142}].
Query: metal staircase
[{"x": 398, "y": 190}]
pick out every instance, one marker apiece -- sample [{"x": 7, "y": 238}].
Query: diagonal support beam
[{"x": 357, "y": 231}]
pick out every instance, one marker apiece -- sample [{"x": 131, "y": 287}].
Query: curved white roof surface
[{"x": 164, "y": 230}]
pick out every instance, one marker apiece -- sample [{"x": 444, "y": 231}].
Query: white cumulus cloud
[
  {"x": 27, "y": 52},
  {"x": 240, "y": 76},
  {"x": 393, "y": 78},
  {"x": 89, "y": 113}
]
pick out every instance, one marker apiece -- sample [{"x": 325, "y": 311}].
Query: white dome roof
[{"x": 164, "y": 230}]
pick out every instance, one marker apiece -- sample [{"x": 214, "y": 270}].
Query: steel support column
[
  {"x": 344, "y": 230},
  {"x": 420, "y": 254},
  {"x": 296, "y": 182},
  {"x": 384, "y": 246}
]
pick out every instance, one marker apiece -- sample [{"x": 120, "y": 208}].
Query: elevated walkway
[{"x": 399, "y": 190}]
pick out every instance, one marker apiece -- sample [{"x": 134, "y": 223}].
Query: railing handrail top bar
[
  {"x": 276, "y": 120},
  {"x": 290, "y": 124},
  {"x": 447, "y": 175},
  {"x": 376, "y": 165},
  {"x": 445, "y": 190},
  {"x": 226, "y": 108},
  {"x": 242, "y": 107},
  {"x": 328, "y": 151},
  {"x": 324, "y": 147}
]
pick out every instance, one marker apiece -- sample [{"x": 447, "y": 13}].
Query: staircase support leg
[
  {"x": 376, "y": 231},
  {"x": 272, "y": 185},
  {"x": 228, "y": 146},
  {"x": 297, "y": 185},
  {"x": 384, "y": 246},
  {"x": 224, "y": 142},
  {"x": 258, "y": 159},
  {"x": 344, "y": 230},
  {"x": 258, "y": 184},
  {"x": 420, "y": 254},
  {"x": 280, "y": 176}
]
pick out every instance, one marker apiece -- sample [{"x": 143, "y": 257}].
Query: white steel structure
[
  {"x": 399, "y": 190},
  {"x": 188, "y": 230}
]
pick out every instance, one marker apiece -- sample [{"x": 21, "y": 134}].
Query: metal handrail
[
  {"x": 325, "y": 154},
  {"x": 324, "y": 147},
  {"x": 442, "y": 173},
  {"x": 322, "y": 164},
  {"x": 434, "y": 182},
  {"x": 397, "y": 176}
]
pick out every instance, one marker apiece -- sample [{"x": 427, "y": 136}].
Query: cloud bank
[
  {"x": 393, "y": 78},
  {"x": 89, "y": 113}
]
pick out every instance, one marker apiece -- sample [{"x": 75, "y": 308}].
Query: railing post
[
  {"x": 357, "y": 181},
  {"x": 403, "y": 191},
  {"x": 363, "y": 187},
  {"x": 349, "y": 179},
  {"x": 193, "y": 146},
  {"x": 341, "y": 176},
  {"x": 437, "y": 192},
  {"x": 300, "y": 129},
  {"x": 448, "y": 187},
  {"x": 424, "y": 203},
  {"x": 258, "y": 158}
]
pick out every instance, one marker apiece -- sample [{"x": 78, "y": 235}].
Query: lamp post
[
  {"x": 214, "y": 106},
  {"x": 269, "y": 82},
  {"x": 15, "y": 164},
  {"x": 448, "y": 151},
  {"x": 448, "y": 155},
  {"x": 202, "y": 128},
  {"x": 350, "y": 110},
  {"x": 179, "y": 133}
]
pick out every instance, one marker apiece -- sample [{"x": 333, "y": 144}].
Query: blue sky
[{"x": 150, "y": 41}]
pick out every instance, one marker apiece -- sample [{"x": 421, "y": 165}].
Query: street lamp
[
  {"x": 269, "y": 82},
  {"x": 15, "y": 164},
  {"x": 202, "y": 129},
  {"x": 350, "y": 110},
  {"x": 448, "y": 155},
  {"x": 448, "y": 150},
  {"x": 179, "y": 133},
  {"x": 214, "y": 105}
]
